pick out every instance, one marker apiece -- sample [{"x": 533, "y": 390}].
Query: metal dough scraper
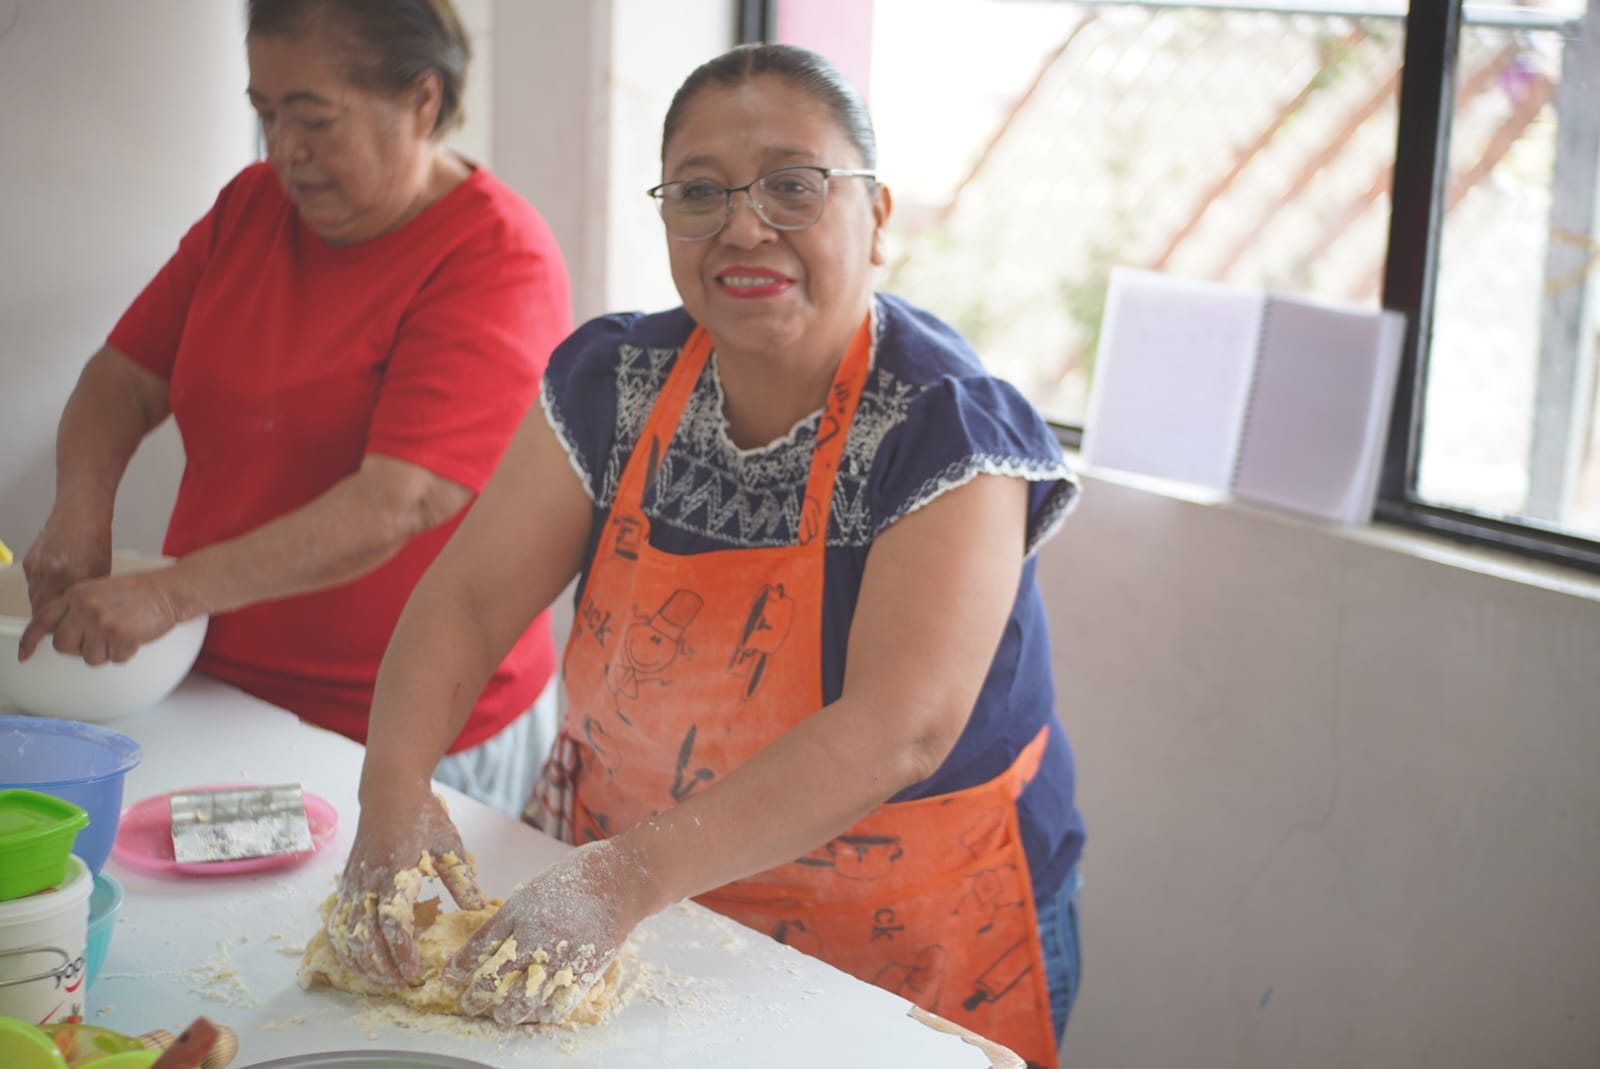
[{"x": 235, "y": 823}]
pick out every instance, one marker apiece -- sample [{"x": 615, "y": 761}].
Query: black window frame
[
  {"x": 1411, "y": 271},
  {"x": 1410, "y": 276},
  {"x": 755, "y": 21}
]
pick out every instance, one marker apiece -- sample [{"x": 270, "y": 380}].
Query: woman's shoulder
[
  {"x": 253, "y": 194},
  {"x": 256, "y": 179},
  {"x": 485, "y": 207},
  {"x": 610, "y": 338},
  {"x": 930, "y": 363},
  {"x": 939, "y": 418},
  {"x": 618, "y": 353},
  {"x": 601, "y": 381},
  {"x": 919, "y": 346}
]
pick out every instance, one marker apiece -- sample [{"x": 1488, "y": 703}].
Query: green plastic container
[{"x": 36, "y": 836}]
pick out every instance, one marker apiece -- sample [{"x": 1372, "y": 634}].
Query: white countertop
[{"x": 713, "y": 993}]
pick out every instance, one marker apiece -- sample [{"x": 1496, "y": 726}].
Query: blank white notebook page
[
  {"x": 1171, "y": 377},
  {"x": 1314, "y": 433}
]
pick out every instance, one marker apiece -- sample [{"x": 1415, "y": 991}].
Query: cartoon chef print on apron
[{"x": 680, "y": 668}]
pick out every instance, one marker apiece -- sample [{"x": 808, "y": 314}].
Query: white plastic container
[{"x": 44, "y": 940}]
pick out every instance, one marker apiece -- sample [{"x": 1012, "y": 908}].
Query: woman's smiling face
[{"x": 759, "y": 290}]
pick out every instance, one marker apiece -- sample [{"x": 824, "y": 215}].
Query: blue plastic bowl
[
  {"x": 79, "y": 762},
  {"x": 105, "y": 902}
]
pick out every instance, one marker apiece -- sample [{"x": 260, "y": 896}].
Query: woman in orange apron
[{"x": 808, "y": 675}]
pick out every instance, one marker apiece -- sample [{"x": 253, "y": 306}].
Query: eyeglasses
[{"x": 790, "y": 198}]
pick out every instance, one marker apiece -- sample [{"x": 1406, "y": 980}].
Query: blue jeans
[{"x": 1058, "y": 932}]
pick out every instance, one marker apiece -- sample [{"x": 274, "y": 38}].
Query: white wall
[
  {"x": 474, "y": 138},
  {"x": 655, "y": 47},
  {"x": 1342, "y": 800},
  {"x": 549, "y": 106},
  {"x": 120, "y": 122},
  {"x": 579, "y": 92}
]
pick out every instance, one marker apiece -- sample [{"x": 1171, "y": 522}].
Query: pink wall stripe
[{"x": 839, "y": 29}]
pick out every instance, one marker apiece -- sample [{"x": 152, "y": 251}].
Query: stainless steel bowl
[{"x": 370, "y": 1059}]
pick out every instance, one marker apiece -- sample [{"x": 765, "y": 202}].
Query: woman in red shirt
[{"x": 346, "y": 341}]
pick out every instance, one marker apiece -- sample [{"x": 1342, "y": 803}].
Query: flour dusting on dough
[{"x": 439, "y": 935}]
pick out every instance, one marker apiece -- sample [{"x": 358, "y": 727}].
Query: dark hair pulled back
[
  {"x": 389, "y": 44},
  {"x": 802, "y": 68}
]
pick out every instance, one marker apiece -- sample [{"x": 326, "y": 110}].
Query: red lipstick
[{"x": 740, "y": 281}]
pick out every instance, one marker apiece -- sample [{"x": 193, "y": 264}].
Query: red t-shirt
[{"x": 288, "y": 360}]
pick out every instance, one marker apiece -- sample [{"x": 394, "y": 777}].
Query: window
[
  {"x": 1243, "y": 146},
  {"x": 1506, "y": 410},
  {"x": 1442, "y": 161}
]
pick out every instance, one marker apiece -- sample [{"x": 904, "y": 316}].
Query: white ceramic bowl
[{"x": 53, "y": 684}]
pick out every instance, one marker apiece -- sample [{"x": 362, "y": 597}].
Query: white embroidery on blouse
[
  {"x": 1053, "y": 514},
  {"x": 558, "y": 423},
  {"x": 709, "y": 487}
]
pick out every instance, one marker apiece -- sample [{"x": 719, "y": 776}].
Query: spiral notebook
[{"x": 1275, "y": 399}]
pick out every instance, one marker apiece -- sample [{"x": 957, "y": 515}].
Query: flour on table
[{"x": 218, "y": 980}]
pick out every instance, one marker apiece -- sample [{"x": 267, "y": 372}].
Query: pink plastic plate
[{"x": 144, "y": 837}]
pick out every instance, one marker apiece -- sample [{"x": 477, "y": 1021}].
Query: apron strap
[
  {"x": 844, "y": 395},
  {"x": 663, "y": 420},
  {"x": 833, "y": 429},
  {"x": 1026, "y": 766}
]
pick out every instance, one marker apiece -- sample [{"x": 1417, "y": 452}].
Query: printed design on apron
[
  {"x": 648, "y": 648},
  {"x": 766, "y": 626},
  {"x": 681, "y": 668}
]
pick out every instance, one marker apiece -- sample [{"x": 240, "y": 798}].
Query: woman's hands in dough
[
  {"x": 539, "y": 956},
  {"x": 372, "y": 926}
]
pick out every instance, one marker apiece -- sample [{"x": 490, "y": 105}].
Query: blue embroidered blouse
[{"x": 930, "y": 419}]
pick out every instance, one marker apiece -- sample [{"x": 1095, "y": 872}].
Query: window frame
[
  {"x": 755, "y": 21},
  {"x": 1411, "y": 271}
]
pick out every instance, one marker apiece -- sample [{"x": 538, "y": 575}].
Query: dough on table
[{"x": 438, "y": 936}]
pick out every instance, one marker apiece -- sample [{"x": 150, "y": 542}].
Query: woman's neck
[
  {"x": 770, "y": 384},
  {"x": 763, "y": 399},
  {"x": 441, "y": 172}
]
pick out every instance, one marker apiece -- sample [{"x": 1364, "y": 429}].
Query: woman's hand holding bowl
[{"x": 107, "y": 618}]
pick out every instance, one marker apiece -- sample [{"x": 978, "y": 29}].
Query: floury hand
[
  {"x": 372, "y": 923},
  {"x": 542, "y": 954}
]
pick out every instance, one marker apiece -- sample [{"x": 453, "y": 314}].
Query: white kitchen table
[{"x": 712, "y": 993}]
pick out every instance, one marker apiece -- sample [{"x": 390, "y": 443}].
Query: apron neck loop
[
  {"x": 663, "y": 421},
  {"x": 844, "y": 394}
]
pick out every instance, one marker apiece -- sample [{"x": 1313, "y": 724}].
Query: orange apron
[{"x": 681, "y": 668}]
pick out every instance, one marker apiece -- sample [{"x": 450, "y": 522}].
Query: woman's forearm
[
  {"x": 436, "y": 664},
  {"x": 914, "y": 671},
  {"x": 349, "y": 530},
  {"x": 826, "y": 773},
  {"x": 516, "y": 550},
  {"x": 114, "y": 405}
]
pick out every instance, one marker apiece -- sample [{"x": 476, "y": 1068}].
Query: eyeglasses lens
[{"x": 787, "y": 199}]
